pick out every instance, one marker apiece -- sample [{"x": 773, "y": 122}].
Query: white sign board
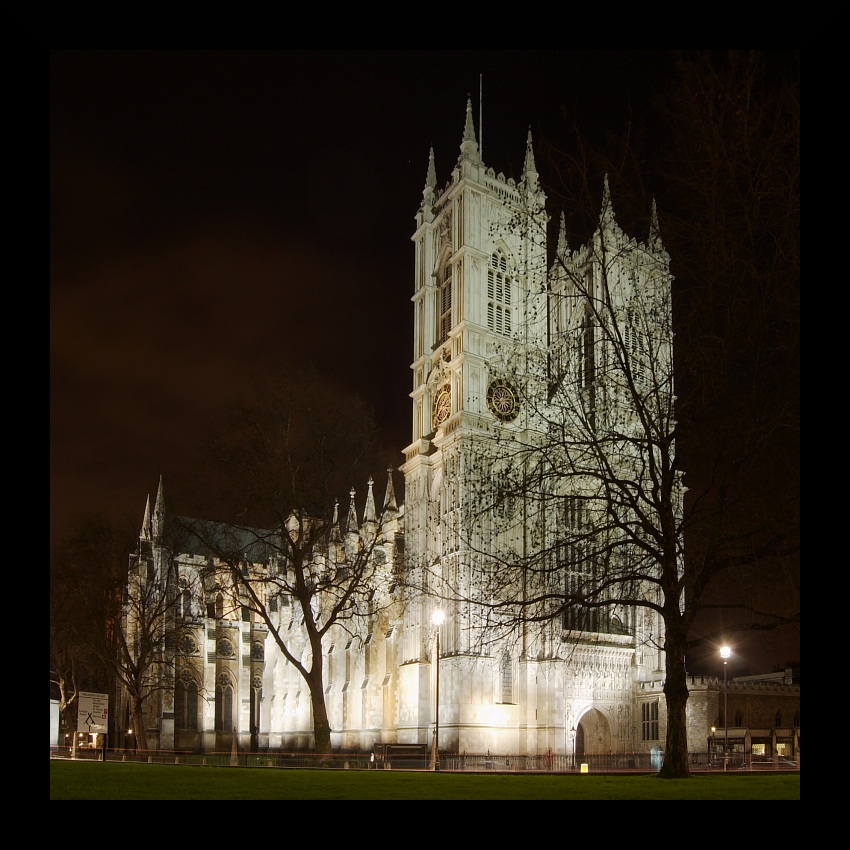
[{"x": 92, "y": 712}]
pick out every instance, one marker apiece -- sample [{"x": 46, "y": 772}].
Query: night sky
[{"x": 219, "y": 216}]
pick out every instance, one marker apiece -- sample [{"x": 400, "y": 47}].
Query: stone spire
[
  {"x": 389, "y": 497},
  {"x": 530, "y": 168},
  {"x": 158, "y": 525},
  {"x": 369, "y": 514},
  {"x": 607, "y": 211},
  {"x": 655, "y": 243},
  {"x": 145, "y": 533},
  {"x": 336, "y": 536},
  {"x": 609, "y": 231},
  {"x": 430, "y": 180},
  {"x": 563, "y": 248},
  {"x": 469, "y": 146},
  {"x": 654, "y": 238},
  {"x": 353, "y": 526}
]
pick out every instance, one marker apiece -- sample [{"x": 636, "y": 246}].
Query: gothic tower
[
  {"x": 501, "y": 336},
  {"x": 479, "y": 301},
  {"x": 498, "y": 333}
]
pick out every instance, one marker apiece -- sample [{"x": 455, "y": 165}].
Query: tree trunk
[
  {"x": 139, "y": 732},
  {"x": 675, "y": 764},
  {"x": 321, "y": 724}
]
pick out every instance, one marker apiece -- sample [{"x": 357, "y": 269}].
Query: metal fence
[{"x": 470, "y": 762}]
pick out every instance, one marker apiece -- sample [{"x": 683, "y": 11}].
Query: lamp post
[
  {"x": 437, "y": 619},
  {"x": 725, "y": 652}
]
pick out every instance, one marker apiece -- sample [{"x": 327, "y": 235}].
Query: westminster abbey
[{"x": 501, "y": 340}]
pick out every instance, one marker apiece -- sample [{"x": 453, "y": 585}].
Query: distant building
[{"x": 763, "y": 716}]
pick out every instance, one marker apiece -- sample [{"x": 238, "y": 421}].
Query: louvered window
[
  {"x": 444, "y": 306},
  {"x": 499, "y": 295}
]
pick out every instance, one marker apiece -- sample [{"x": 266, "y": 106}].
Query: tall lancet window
[
  {"x": 186, "y": 702},
  {"x": 635, "y": 347},
  {"x": 444, "y": 305},
  {"x": 224, "y": 704},
  {"x": 507, "y": 679},
  {"x": 499, "y": 295}
]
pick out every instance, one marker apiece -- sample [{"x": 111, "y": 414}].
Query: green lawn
[{"x": 92, "y": 780}]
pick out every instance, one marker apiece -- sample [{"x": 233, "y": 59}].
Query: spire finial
[
  {"x": 468, "y": 146},
  {"x": 562, "y": 238},
  {"x": 607, "y": 212},
  {"x": 352, "y": 515},
  {"x": 369, "y": 514},
  {"x": 335, "y": 532},
  {"x": 389, "y": 497},
  {"x": 430, "y": 180},
  {"x": 530, "y": 166},
  {"x": 145, "y": 533},
  {"x": 158, "y": 525},
  {"x": 469, "y": 126},
  {"x": 654, "y": 236}
]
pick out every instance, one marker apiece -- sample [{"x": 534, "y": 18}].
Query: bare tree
[
  {"x": 287, "y": 458},
  {"x": 731, "y": 170},
  {"x": 142, "y": 659},
  {"x": 596, "y": 533},
  {"x": 70, "y": 659},
  {"x": 107, "y": 628}
]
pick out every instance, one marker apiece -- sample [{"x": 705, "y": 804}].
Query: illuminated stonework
[{"x": 481, "y": 309}]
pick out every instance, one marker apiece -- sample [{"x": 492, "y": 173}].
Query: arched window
[
  {"x": 796, "y": 719},
  {"x": 739, "y": 718},
  {"x": 499, "y": 295},
  {"x": 186, "y": 702},
  {"x": 224, "y": 704},
  {"x": 219, "y": 606},
  {"x": 256, "y": 700},
  {"x": 777, "y": 721},
  {"x": 507, "y": 679},
  {"x": 444, "y": 305},
  {"x": 587, "y": 362},
  {"x": 633, "y": 337}
]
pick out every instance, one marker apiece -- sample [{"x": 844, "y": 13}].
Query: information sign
[{"x": 93, "y": 712}]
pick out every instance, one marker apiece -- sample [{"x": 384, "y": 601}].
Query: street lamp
[
  {"x": 437, "y": 619},
  {"x": 725, "y": 652}
]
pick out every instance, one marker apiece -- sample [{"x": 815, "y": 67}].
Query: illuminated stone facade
[{"x": 482, "y": 303}]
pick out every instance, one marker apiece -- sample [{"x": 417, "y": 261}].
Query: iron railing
[{"x": 470, "y": 762}]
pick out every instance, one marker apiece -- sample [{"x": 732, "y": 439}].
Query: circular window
[
  {"x": 502, "y": 401},
  {"x": 187, "y": 645},
  {"x": 442, "y": 406},
  {"x": 225, "y": 647}
]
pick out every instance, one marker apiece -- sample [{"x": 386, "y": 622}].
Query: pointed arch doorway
[{"x": 593, "y": 734}]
